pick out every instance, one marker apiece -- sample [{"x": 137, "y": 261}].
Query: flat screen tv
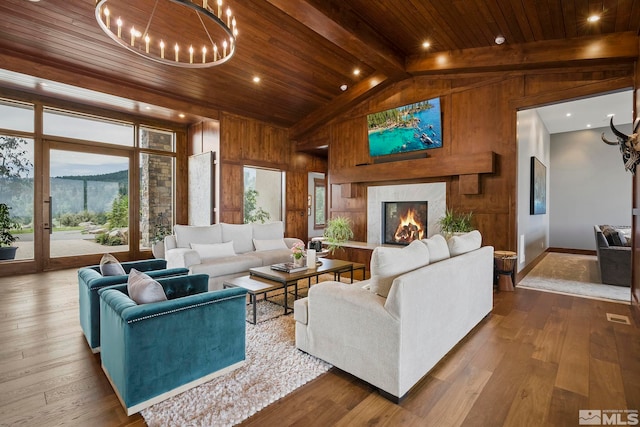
[{"x": 404, "y": 129}]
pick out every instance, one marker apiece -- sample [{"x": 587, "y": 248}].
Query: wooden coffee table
[{"x": 263, "y": 279}]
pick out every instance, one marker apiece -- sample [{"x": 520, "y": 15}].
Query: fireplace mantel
[{"x": 468, "y": 167}]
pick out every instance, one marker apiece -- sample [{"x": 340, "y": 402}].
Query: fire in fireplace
[{"x": 403, "y": 222}]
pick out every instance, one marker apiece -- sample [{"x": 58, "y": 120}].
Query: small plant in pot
[
  {"x": 453, "y": 223},
  {"x": 7, "y": 251},
  {"x": 337, "y": 232}
]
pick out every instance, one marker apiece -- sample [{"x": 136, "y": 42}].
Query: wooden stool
[{"x": 505, "y": 263}]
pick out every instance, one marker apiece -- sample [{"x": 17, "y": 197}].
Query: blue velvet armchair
[
  {"x": 151, "y": 352},
  {"x": 90, "y": 281}
]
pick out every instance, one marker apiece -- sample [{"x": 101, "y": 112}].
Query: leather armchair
[
  {"x": 151, "y": 352},
  {"x": 90, "y": 281}
]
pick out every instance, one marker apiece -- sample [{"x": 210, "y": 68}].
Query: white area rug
[
  {"x": 574, "y": 275},
  {"x": 273, "y": 369}
]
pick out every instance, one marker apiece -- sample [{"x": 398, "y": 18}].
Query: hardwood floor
[{"x": 536, "y": 360}]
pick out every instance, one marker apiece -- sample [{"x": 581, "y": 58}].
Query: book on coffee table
[{"x": 288, "y": 267}]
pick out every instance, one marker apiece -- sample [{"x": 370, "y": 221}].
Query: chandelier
[{"x": 181, "y": 33}]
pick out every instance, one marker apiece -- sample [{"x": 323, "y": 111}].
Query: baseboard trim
[
  {"x": 572, "y": 251},
  {"x": 520, "y": 275}
]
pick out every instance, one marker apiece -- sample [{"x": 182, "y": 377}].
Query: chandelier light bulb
[{"x": 202, "y": 30}]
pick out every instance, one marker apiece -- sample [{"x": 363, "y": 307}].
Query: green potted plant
[
  {"x": 7, "y": 251},
  {"x": 453, "y": 222},
  {"x": 337, "y": 232}
]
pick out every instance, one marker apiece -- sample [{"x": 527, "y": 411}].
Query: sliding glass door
[{"x": 88, "y": 202}]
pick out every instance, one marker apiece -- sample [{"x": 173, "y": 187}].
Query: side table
[{"x": 505, "y": 264}]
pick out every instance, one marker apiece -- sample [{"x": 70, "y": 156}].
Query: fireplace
[{"x": 403, "y": 222}]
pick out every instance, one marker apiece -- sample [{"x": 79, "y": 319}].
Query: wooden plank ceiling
[{"x": 303, "y": 50}]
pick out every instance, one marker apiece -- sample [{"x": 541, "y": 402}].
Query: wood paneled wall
[
  {"x": 479, "y": 115},
  {"x": 248, "y": 142}
]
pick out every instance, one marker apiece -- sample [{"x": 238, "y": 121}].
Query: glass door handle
[{"x": 48, "y": 215}]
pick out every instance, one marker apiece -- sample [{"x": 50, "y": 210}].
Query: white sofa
[
  {"x": 433, "y": 301},
  {"x": 225, "y": 251}
]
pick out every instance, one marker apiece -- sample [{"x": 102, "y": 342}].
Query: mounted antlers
[{"x": 629, "y": 146}]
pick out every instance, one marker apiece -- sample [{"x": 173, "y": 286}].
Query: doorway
[
  {"x": 586, "y": 183},
  {"x": 87, "y": 202}
]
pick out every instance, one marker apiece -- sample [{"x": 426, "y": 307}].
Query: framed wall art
[{"x": 538, "y": 187}]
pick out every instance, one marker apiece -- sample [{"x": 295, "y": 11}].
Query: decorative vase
[
  {"x": 157, "y": 249},
  {"x": 298, "y": 262}
]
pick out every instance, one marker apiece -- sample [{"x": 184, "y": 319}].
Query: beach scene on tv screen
[{"x": 409, "y": 128}]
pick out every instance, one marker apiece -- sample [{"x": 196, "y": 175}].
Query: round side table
[{"x": 505, "y": 264}]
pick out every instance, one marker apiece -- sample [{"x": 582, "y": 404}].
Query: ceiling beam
[
  {"x": 340, "y": 104},
  {"x": 337, "y": 25},
  {"x": 607, "y": 48}
]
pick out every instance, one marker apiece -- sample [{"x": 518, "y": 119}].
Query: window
[
  {"x": 156, "y": 198},
  {"x": 262, "y": 195},
  {"x": 16, "y": 189},
  {"x": 90, "y": 128},
  {"x": 16, "y": 116},
  {"x": 319, "y": 198}
]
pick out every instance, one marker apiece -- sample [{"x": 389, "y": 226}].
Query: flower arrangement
[{"x": 297, "y": 250}]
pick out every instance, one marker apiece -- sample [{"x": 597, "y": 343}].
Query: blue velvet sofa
[
  {"x": 90, "y": 281},
  {"x": 151, "y": 352}
]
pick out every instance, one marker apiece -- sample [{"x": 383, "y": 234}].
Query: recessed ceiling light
[
  {"x": 588, "y": 125},
  {"x": 256, "y": 79},
  {"x": 343, "y": 88},
  {"x": 356, "y": 72},
  {"x": 426, "y": 45},
  {"x": 500, "y": 39},
  {"x": 610, "y": 115},
  {"x": 593, "y": 18},
  {"x": 181, "y": 115},
  {"x": 568, "y": 114}
]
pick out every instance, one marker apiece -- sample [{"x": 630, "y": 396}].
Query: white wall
[
  {"x": 588, "y": 186},
  {"x": 533, "y": 230}
]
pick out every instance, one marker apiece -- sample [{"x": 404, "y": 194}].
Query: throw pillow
[
  {"x": 143, "y": 289},
  {"x": 214, "y": 250},
  {"x": 389, "y": 263},
  {"x": 240, "y": 234},
  {"x": 201, "y": 234},
  {"x": 110, "y": 266},
  {"x": 269, "y": 244},
  {"x": 269, "y": 231},
  {"x": 607, "y": 232},
  {"x": 438, "y": 248},
  {"x": 464, "y": 243}
]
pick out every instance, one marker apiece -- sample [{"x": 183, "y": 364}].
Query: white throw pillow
[
  {"x": 389, "y": 263},
  {"x": 267, "y": 245},
  {"x": 438, "y": 248},
  {"x": 464, "y": 243},
  {"x": 110, "y": 266},
  {"x": 214, "y": 250},
  {"x": 202, "y": 234},
  {"x": 270, "y": 231},
  {"x": 143, "y": 289},
  {"x": 240, "y": 234}
]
